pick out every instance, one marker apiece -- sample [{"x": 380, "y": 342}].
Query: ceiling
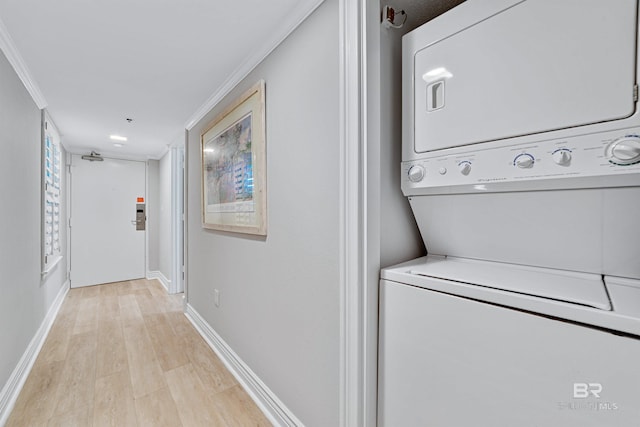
[{"x": 97, "y": 63}]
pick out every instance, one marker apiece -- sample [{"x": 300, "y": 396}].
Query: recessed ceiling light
[
  {"x": 117, "y": 144},
  {"x": 118, "y": 137}
]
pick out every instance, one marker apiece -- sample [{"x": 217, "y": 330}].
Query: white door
[{"x": 105, "y": 245}]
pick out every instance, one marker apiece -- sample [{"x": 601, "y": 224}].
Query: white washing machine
[{"x": 521, "y": 162}]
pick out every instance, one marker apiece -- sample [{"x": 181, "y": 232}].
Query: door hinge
[
  {"x": 635, "y": 93},
  {"x": 69, "y": 222}
]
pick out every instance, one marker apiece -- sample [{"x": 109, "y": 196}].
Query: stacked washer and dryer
[{"x": 521, "y": 163}]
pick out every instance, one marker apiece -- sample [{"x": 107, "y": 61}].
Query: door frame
[
  {"x": 359, "y": 211},
  {"x": 177, "y": 154}
]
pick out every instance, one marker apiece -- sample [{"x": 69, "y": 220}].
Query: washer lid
[{"x": 567, "y": 286}]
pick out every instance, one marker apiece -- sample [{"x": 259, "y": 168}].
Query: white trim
[
  {"x": 12, "y": 388},
  {"x": 354, "y": 406},
  {"x": 48, "y": 129},
  {"x": 287, "y": 24},
  {"x": 273, "y": 408},
  {"x": 177, "y": 185},
  {"x": 372, "y": 204},
  {"x": 50, "y": 266},
  {"x": 15, "y": 59},
  {"x": 157, "y": 275},
  {"x": 67, "y": 196},
  {"x": 147, "y": 232},
  {"x": 185, "y": 229}
]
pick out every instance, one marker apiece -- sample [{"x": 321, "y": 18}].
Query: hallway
[
  {"x": 124, "y": 354},
  {"x": 286, "y": 311}
]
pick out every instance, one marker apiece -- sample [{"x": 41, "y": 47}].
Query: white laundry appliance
[{"x": 521, "y": 162}]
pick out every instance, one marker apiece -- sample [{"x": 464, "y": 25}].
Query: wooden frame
[{"x": 233, "y": 166}]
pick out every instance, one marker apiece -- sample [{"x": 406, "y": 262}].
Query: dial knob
[
  {"x": 465, "y": 168},
  {"x": 524, "y": 161},
  {"x": 562, "y": 157},
  {"x": 624, "y": 151},
  {"x": 416, "y": 173}
]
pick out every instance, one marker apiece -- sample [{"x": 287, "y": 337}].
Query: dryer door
[{"x": 538, "y": 66}]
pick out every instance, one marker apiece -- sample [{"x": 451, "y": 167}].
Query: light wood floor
[{"x": 124, "y": 354}]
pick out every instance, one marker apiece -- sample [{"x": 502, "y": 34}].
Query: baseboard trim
[
  {"x": 160, "y": 277},
  {"x": 12, "y": 388},
  {"x": 267, "y": 401}
]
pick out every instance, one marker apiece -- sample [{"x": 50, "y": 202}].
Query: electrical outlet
[{"x": 216, "y": 297}]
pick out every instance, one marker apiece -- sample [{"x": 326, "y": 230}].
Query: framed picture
[{"x": 234, "y": 195}]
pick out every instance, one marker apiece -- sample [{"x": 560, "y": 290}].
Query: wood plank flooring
[{"x": 123, "y": 354}]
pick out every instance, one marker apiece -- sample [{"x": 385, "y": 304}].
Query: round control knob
[
  {"x": 624, "y": 151},
  {"x": 416, "y": 173},
  {"x": 562, "y": 157},
  {"x": 524, "y": 161},
  {"x": 465, "y": 168}
]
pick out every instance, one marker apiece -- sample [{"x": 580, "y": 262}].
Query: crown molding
[
  {"x": 288, "y": 25},
  {"x": 15, "y": 59}
]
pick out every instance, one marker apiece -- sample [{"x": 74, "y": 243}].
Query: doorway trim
[
  {"x": 359, "y": 240},
  {"x": 177, "y": 220}
]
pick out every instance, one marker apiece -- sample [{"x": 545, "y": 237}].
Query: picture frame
[{"x": 233, "y": 166}]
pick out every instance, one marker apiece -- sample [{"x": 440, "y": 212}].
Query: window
[{"x": 51, "y": 179}]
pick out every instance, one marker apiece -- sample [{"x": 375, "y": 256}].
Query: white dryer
[{"x": 521, "y": 162}]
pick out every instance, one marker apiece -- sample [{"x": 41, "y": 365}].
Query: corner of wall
[
  {"x": 12, "y": 388},
  {"x": 157, "y": 275},
  {"x": 273, "y": 408}
]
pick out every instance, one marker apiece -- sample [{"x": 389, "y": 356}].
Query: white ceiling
[{"x": 98, "y": 62}]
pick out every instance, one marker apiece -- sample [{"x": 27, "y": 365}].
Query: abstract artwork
[{"x": 233, "y": 167}]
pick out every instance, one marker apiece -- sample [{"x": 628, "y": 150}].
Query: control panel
[
  {"x": 141, "y": 216},
  {"x": 526, "y": 165}
]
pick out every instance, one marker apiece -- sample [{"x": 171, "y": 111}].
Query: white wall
[
  {"x": 26, "y": 298},
  {"x": 153, "y": 215},
  {"x": 279, "y": 295},
  {"x": 399, "y": 236},
  {"x": 164, "y": 215}
]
